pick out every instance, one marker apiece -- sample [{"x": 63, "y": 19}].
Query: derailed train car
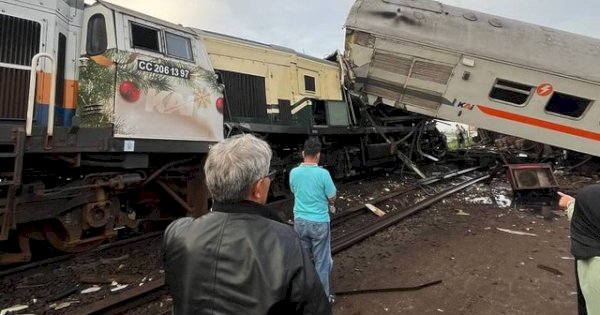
[
  {"x": 491, "y": 72},
  {"x": 284, "y": 96}
]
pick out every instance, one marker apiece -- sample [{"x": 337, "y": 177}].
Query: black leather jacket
[{"x": 240, "y": 259}]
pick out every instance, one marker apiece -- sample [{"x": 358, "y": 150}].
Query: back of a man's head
[
  {"x": 234, "y": 164},
  {"x": 312, "y": 146}
]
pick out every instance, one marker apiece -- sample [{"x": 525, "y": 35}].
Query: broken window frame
[
  {"x": 505, "y": 85},
  {"x": 581, "y": 114}
]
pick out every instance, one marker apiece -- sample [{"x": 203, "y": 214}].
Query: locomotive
[{"x": 106, "y": 115}]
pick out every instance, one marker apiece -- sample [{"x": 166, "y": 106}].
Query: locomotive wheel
[{"x": 59, "y": 238}]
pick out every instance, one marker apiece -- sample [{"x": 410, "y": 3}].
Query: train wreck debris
[
  {"x": 534, "y": 185},
  {"x": 356, "y": 236},
  {"x": 383, "y": 290}
]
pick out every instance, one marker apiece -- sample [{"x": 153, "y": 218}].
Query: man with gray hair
[{"x": 239, "y": 258}]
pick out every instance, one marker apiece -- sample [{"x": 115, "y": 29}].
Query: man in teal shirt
[{"x": 314, "y": 195}]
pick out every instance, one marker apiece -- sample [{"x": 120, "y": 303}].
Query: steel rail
[
  {"x": 100, "y": 248},
  {"x": 126, "y": 300},
  {"x": 356, "y": 210},
  {"x": 362, "y": 233}
]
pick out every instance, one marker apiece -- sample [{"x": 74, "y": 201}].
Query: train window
[
  {"x": 96, "y": 35},
  {"x": 144, "y": 37},
  {"x": 309, "y": 84},
  {"x": 178, "y": 46},
  {"x": 567, "y": 105},
  {"x": 511, "y": 92}
]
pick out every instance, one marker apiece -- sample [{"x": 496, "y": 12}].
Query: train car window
[
  {"x": 178, "y": 46},
  {"x": 511, "y": 92},
  {"x": 97, "y": 38},
  {"x": 567, "y": 105},
  {"x": 309, "y": 84},
  {"x": 144, "y": 37}
]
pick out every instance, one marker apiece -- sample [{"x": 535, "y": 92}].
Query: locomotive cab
[
  {"x": 149, "y": 78},
  {"x": 105, "y": 115}
]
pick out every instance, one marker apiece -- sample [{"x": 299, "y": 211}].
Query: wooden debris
[
  {"x": 378, "y": 212},
  {"x": 102, "y": 279},
  {"x": 113, "y": 260},
  {"x": 515, "y": 232},
  {"x": 550, "y": 269},
  {"x": 12, "y": 309}
]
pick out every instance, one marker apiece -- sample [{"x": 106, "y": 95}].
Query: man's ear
[{"x": 254, "y": 192}]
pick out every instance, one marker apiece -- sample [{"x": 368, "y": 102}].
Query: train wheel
[{"x": 65, "y": 242}]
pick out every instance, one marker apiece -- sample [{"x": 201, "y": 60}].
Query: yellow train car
[{"x": 267, "y": 83}]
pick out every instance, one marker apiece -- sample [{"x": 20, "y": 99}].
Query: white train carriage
[{"x": 496, "y": 73}]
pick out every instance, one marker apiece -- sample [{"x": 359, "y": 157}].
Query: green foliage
[{"x": 96, "y": 89}]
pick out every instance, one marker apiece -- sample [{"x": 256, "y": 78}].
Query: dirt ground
[{"x": 483, "y": 270}]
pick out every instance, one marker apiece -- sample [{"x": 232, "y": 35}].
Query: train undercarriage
[{"x": 76, "y": 200}]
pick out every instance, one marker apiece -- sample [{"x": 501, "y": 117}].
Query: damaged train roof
[{"x": 482, "y": 35}]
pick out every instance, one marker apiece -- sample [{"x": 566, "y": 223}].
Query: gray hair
[{"x": 234, "y": 164}]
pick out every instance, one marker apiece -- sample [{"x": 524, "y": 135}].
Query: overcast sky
[{"x": 315, "y": 26}]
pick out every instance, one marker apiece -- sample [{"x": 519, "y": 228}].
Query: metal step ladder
[{"x": 13, "y": 180}]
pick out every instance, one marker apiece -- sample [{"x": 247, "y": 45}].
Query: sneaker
[{"x": 331, "y": 299}]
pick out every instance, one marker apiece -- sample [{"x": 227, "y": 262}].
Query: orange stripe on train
[
  {"x": 540, "y": 123},
  {"x": 43, "y": 91}
]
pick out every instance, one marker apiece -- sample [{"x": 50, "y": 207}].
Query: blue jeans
[{"x": 316, "y": 239}]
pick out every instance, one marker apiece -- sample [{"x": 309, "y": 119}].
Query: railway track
[
  {"x": 361, "y": 209},
  {"x": 62, "y": 258},
  {"x": 364, "y": 231},
  {"x": 131, "y": 299}
]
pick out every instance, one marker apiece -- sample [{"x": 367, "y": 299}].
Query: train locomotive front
[{"x": 106, "y": 115}]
